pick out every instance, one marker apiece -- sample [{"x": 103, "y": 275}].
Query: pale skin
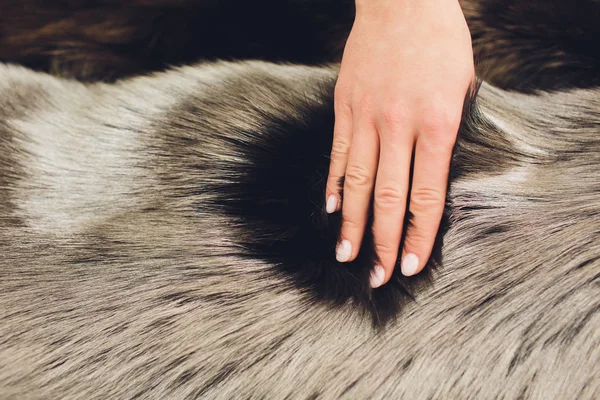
[{"x": 406, "y": 68}]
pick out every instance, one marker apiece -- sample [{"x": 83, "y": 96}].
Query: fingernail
[
  {"x": 343, "y": 251},
  {"x": 410, "y": 264},
  {"x": 377, "y": 276},
  {"x": 331, "y": 204}
]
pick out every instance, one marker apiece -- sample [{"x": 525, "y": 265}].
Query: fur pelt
[
  {"x": 109, "y": 39},
  {"x": 164, "y": 237},
  {"x": 519, "y": 44}
]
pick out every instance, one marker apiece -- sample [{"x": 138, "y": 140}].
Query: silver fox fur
[{"x": 120, "y": 277}]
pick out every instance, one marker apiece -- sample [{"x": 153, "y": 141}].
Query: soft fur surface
[
  {"x": 163, "y": 237},
  {"x": 532, "y": 44},
  {"x": 519, "y": 44},
  {"x": 108, "y": 39}
]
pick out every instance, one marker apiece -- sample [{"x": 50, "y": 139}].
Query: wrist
[
  {"x": 376, "y": 6},
  {"x": 389, "y": 8}
]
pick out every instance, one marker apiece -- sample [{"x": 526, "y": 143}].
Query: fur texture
[
  {"x": 109, "y": 39},
  {"x": 518, "y": 44},
  {"x": 163, "y": 238},
  {"x": 531, "y": 44}
]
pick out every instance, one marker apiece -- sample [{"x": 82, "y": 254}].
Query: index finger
[{"x": 340, "y": 149}]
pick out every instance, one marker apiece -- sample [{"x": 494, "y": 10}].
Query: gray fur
[{"x": 112, "y": 285}]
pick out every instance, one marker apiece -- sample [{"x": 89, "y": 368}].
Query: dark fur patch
[
  {"x": 519, "y": 44},
  {"x": 277, "y": 198},
  {"x": 111, "y": 39},
  {"x": 526, "y": 45}
]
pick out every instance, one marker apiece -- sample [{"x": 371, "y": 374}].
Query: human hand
[{"x": 406, "y": 69}]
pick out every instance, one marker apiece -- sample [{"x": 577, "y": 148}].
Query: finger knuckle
[
  {"x": 341, "y": 102},
  {"x": 388, "y": 197},
  {"x": 350, "y": 225},
  {"x": 439, "y": 123},
  {"x": 332, "y": 186},
  {"x": 415, "y": 241},
  {"x": 342, "y": 90},
  {"x": 357, "y": 177},
  {"x": 342, "y": 85},
  {"x": 424, "y": 199},
  {"x": 339, "y": 149},
  {"x": 386, "y": 250},
  {"x": 393, "y": 117},
  {"x": 364, "y": 105},
  {"x": 342, "y": 108}
]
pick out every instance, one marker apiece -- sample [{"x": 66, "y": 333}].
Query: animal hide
[
  {"x": 165, "y": 237},
  {"x": 518, "y": 44}
]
